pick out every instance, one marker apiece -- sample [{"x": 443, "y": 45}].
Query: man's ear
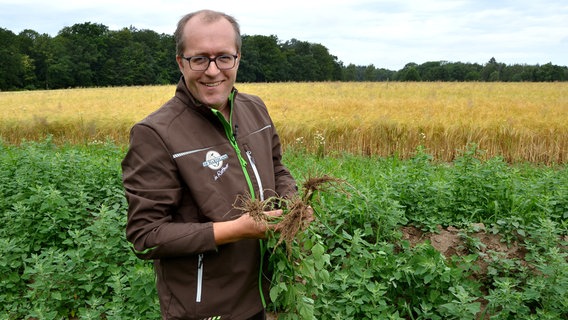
[
  {"x": 179, "y": 61},
  {"x": 238, "y": 59}
]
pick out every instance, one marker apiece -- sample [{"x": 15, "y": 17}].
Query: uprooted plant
[
  {"x": 297, "y": 214},
  {"x": 299, "y": 271}
]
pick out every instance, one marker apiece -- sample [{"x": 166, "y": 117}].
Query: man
[{"x": 186, "y": 166}]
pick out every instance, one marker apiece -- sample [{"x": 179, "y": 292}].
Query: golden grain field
[{"x": 519, "y": 121}]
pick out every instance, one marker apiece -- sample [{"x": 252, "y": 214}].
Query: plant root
[
  {"x": 297, "y": 214},
  {"x": 313, "y": 184},
  {"x": 300, "y": 214},
  {"x": 255, "y": 208},
  {"x": 297, "y": 219}
]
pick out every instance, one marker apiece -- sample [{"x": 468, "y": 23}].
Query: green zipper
[{"x": 228, "y": 126}]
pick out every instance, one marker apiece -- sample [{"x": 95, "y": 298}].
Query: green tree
[
  {"x": 431, "y": 71},
  {"x": 12, "y": 67},
  {"x": 116, "y": 69},
  {"x": 157, "y": 64},
  {"x": 59, "y": 73},
  {"x": 409, "y": 73},
  {"x": 472, "y": 76},
  {"x": 328, "y": 67},
  {"x": 37, "y": 49},
  {"x": 350, "y": 73},
  {"x": 89, "y": 54},
  {"x": 303, "y": 65},
  {"x": 26, "y": 47},
  {"x": 370, "y": 73},
  {"x": 85, "y": 45},
  {"x": 491, "y": 71},
  {"x": 549, "y": 72},
  {"x": 262, "y": 60}
]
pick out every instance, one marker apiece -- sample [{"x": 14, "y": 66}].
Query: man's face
[{"x": 212, "y": 86}]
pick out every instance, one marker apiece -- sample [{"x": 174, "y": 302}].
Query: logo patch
[{"x": 214, "y": 160}]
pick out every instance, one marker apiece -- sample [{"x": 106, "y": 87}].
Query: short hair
[{"x": 207, "y": 16}]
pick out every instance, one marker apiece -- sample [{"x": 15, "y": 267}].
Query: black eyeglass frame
[{"x": 214, "y": 59}]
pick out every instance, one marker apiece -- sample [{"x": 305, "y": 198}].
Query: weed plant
[{"x": 64, "y": 253}]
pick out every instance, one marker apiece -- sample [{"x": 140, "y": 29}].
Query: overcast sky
[{"x": 385, "y": 33}]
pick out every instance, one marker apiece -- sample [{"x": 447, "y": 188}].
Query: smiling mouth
[{"x": 212, "y": 84}]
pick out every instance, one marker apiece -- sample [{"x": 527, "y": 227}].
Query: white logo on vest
[{"x": 214, "y": 160}]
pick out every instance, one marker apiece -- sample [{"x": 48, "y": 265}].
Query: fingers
[
  {"x": 274, "y": 213},
  {"x": 257, "y": 227},
  {"x": 260, "y": 229}
]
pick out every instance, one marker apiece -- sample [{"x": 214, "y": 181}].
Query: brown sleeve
[{"x": 154, "y": 192}]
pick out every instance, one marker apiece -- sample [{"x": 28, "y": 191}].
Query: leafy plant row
[
  {"x": 64, "y": 254},
  {"x": 365, "y": 270}
]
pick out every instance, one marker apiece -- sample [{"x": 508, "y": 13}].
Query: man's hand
[{"x": 244, "y": 227}]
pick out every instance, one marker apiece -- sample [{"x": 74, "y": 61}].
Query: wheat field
[{"x": 518, "y": 121}]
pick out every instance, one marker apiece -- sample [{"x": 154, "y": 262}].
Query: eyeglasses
[{"x": 201, "y": 63}]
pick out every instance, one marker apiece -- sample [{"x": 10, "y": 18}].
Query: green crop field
[{"x": 373, "y": 251}]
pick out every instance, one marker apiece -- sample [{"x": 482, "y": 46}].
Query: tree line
[{"x": 89, "y": 55}]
